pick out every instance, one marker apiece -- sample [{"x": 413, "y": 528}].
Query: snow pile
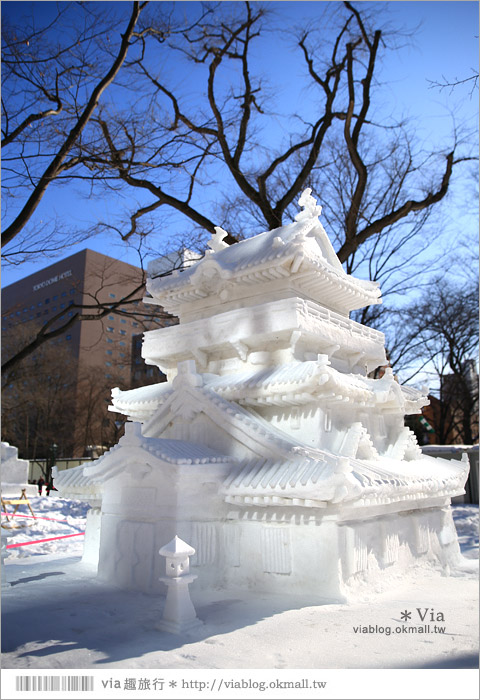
[
  {"x": 14, "y": 473},
  {"x": 55, "y": 517},
  {"x": 466, "y": 523}
]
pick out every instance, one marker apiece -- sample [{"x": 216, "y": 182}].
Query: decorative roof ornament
[
  {"x": 310, "y": 207},
  {"x": 216, "y": 242}
]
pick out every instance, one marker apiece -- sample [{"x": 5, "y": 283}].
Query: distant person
[
  {"x": 50, "y": 487},
  {"x": 40, "y": 484}
]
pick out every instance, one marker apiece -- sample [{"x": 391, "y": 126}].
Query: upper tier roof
[
  {"x": 293, "y": 260},
  {"x": 291, "y": 384}
]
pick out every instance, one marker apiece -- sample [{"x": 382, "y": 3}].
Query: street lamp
[{"x": 51, "y": 461}]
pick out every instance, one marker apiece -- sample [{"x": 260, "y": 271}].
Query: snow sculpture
[
  {"x": 179, "y": 615},
  {"x": 216, "y": 242},
  {"x": 14, "y": 473},
  {"x": 269, "y": 448}
]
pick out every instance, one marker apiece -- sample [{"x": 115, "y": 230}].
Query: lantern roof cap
[{"x": 177, "y": 549}]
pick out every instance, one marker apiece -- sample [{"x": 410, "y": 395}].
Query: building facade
[{"x": 60, "y": 394}]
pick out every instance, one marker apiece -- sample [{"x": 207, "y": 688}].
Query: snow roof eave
[
  {"x": 360, "y": 483},
  {"x": 354, "y": 292},
  {"x": 303, "y": 241},
  {"x": 303, "y": 380}
]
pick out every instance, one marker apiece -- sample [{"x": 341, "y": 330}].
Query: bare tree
[
  {"x": 162, "y": 146},
  {"x": 48, "y": 88},
  {"x": 439, "y": 335},
  {"x": 179, "y": 146},
  {"x": 37, "y": 399},
  {"x": 47, "y": 398}
]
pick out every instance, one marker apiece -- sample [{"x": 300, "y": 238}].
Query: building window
[
  {"x": 72, "y": 291},
  {"x": 46, "y": 311},
  {"x": 32, "y": 307},
  {"x": 54, "y": 308},
  {"x": 47, "y": 301},
  {"x": 112, "y": 296},
  {"x": 108, "y": 364},
  {"x": 64, "y": 294},
  {"x": 134, "y": 324},
  {"x": 40, "y": 303},
  {"x": 70, "y": 313},
  {"x": 121, "y": 354},
  {"x": 122, "y": 320},
  {"x": 39, "y": 313},
  {"x": 111, "y": 318},
  {"x": 25, "y": 311},
  {"x": 122, "y": 332},
  {"x": 108, "y": 376},
  {"x": 55, "y": 297},
  {"x": 68, "y": 337},
  {"x": 121, "y": 342},
  {"x": 110, "y": 329},
  {"x": 109, "y": 352},
  {"x": 62, "y": 306},
  {"x": 109, "y": 340}
]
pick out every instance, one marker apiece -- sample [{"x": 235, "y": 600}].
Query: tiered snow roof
[
  {"x": 288, "y": 473},
  {"x": 300, "y": 251},
  {"x": 316, "y": 483},
  {"x": 290, "y": 384},
  {"x": 84, "y": 482},
  {"x": 262, "y": 296}
]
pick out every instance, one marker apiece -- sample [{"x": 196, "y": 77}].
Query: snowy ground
[{"x": 56, "y": 615}]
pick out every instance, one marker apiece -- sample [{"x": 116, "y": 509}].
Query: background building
[
  {"x": 451, "y": 418},
  {"x": 59, "y": 395}
]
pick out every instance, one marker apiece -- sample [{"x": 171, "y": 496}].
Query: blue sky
[{"x": 446, "y": 44}]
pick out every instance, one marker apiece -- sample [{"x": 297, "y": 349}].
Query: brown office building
[{"x": 60, "y": 393}]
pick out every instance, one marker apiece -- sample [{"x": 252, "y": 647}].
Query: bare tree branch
[{"x": 54, "y": 167}]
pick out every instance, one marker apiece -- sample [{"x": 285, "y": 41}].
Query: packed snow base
[
  {"x": 56, "y": 614},
  {"x": 269, "y": 450}
]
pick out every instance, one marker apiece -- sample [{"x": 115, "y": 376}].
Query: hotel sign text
[{"x": 52, "y": 280}]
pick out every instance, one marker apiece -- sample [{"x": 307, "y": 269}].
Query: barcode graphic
[{"x": 52, "y": 683}]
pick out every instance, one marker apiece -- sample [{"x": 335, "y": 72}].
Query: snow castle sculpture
[{"x": 269, "y": 448}]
